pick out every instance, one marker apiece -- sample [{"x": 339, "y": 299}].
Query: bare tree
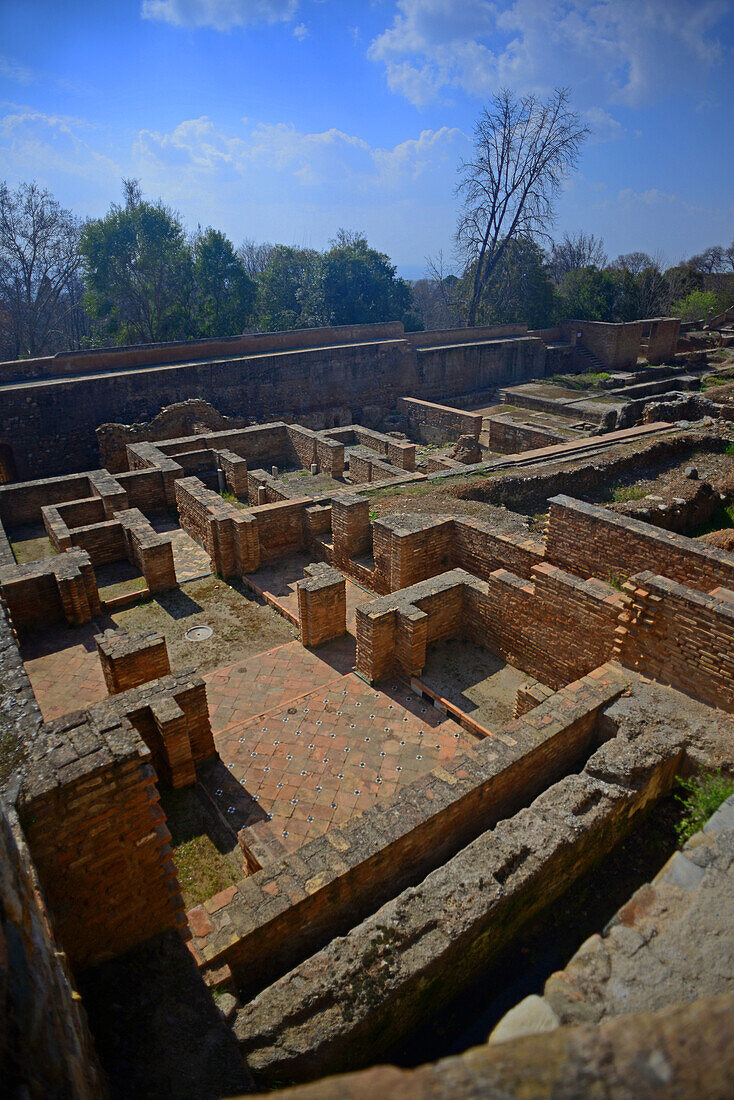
[
  {"x": 711, "y": 261},
  {"x": 39, "y": 262},
  {"x": 729, "y": 256},
  {"x": 437, "y": 296},
  {"x": 254, "y": 257},
  {"x": 523, "y": 150},
  {"x": 574, "y": 252},
  {"x": 635, "y": 262}
]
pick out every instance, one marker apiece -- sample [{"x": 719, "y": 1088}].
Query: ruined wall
[
  {"x": 45, "y": 1045},
  {"x": 596, "y": 542},
  {"x": 680, "y": 637},
  {"x": 54, "y": 590},
  {"x": 347, "y": 1005},
  {"x": 106, "y": 873},
  {"x": 439, "y": 423},
  {"x": 281, "y": 914},
  {"x": 507, "y": 437},
  {"x": 52, "y": 426}
]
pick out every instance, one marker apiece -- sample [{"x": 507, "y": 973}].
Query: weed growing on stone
[
  {"x": 703, "y": 794},
  {"x": 623, "y": 493},
  {"x": 228, "y": 496}
]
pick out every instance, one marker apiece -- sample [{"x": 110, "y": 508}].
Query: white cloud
[
  {"x": 222, "y": 15},
  {"x": 13, "y": 70},
  {"x": 36, "y": 144},
  {"x": 609, "y": 51},
  {"x": 328, "y": 159},
  {"x": 300, "y": 31}
]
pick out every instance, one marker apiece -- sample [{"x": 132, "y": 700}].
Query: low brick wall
[
  {"x": 21, "y": 503},
  {"x": 151, "y": 552},
  {"x": 284, "y": 912},
  {"x": 364, "y": 467},
  {"x": 439, "y": 423},
  {"x": 129, "y": 660},
  {"x": 556, "y": 628},
  {"x": 322, "y": 605},
  {"x": 228, "y": 534},
  {"x": 54, "y": 590},
  {"x": 89, "y": 809},
  {"x": 680, "y": 637},
  {"x": 172, "y": 717},
  {"x": 595, "y": 542},
  {"x": 508, "y": 437},
  {"x": 350, "y": 527},
  {"x": 234, "y": 469}
]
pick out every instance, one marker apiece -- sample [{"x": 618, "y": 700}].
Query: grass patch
[
  {"x": 579, "y": 381},
  {"x": 202, "y": 869},
  {"x": 703, "y": 794},
  {"x": 623, "y": 493},
  {"x": 616, "y": 580},
  {"x": 722, "y": 519}
]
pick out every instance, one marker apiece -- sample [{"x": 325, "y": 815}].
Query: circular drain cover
[{"x": 198, "y": 633}]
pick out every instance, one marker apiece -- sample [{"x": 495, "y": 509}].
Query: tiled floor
[
  {"x": 287, "y": 775},
  {"x": 256, "y": 684},
  {"x": 64, "y": 670},
  {"x": 189, "y": 559}
]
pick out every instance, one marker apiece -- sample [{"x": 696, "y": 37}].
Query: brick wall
[
  {"x": 508, "y": 437},
  {"x": 234, "y": 469},
  {"x": 151, "y": 552},
  {"x": 350, "y": 527},
  {"x": 680, "y": 637},
  {"x": 58, "y": 589},
  {"x": 322, "y": 605},
  {"x": 129, "y": 660},
  {"x": 47, "y": 1046},
  {"x": 172, "y": 717},
  {"x": 89, "y": 809},
  {"x": 593, "y": 541},
  {"x": 661, "y": 339},
  {"x": 22, "y": 503},
  {"x": 439, "y": 423},
  {"x": 556, "y": 627}
]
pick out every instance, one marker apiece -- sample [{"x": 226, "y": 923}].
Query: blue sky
[{"x": 283, "y": 120}]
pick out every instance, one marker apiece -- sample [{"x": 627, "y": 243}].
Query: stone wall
[
  {"x": 129, "y": 660},
  {"x": 660, "y": 339},
  {"x": 556, "y": 627},
  {"x": 45, "y": 1045},
  {"x": 62, "y": 589},
  {"x": 88, "y": 806},
  {"x": 508, "y": 437},
  {"x": 616, "y": 345},
  {"x": 52, "y": 425}
]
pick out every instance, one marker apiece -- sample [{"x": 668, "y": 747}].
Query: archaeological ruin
[{"x": 350, "y": 682}]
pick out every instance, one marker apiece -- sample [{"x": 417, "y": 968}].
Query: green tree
[
  {"x": 356, "y": 285},
  {"x": 223, "y": 293},
  {"x": 282, "y": 286},
  {"x": 521, "y": 289},
  {"x": 697, "y": 304},
  {"x": 587, "y": 294},
  {"x": 138, "y": 270}
]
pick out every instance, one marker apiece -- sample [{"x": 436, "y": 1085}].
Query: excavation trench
[{"x": 547, "y": 943}]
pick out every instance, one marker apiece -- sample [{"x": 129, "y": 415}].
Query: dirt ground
[
  {"x": 474, "y": 679},
  {"x": 241, "y": 624}
]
